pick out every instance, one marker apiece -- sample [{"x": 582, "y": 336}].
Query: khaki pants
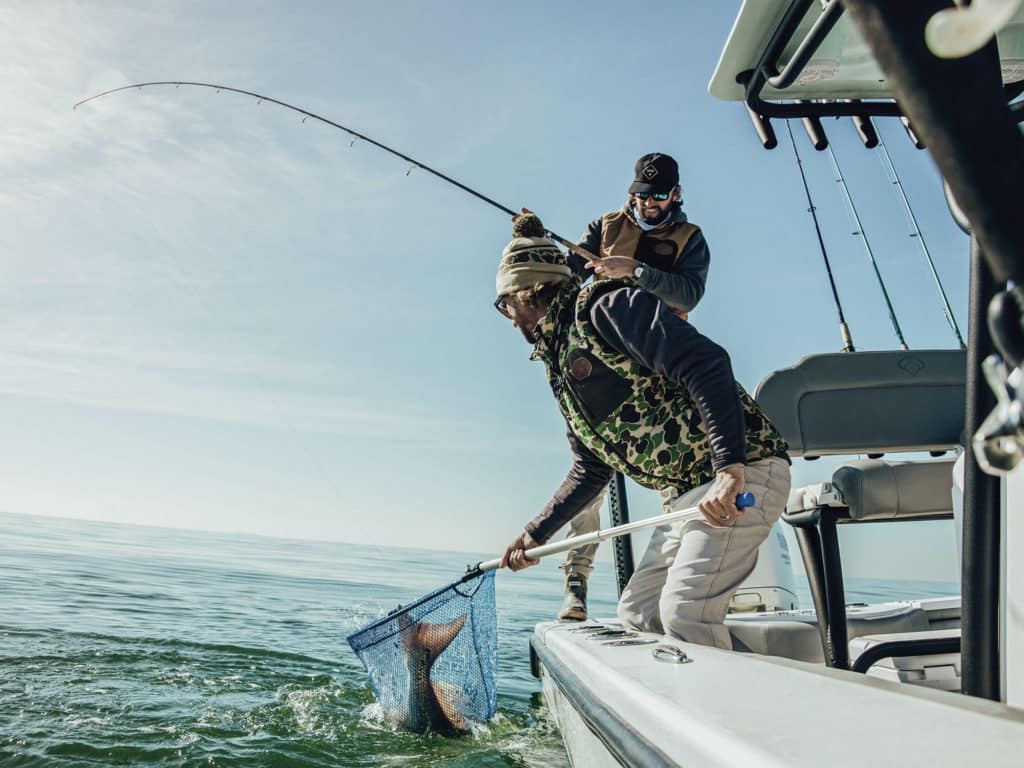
[
  {"x": 581, "y": 559},
  {"x": 691, "y": 570}
]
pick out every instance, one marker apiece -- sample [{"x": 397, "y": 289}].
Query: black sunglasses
[
  {"x": 659, "y": 196},
  {"x": 499, "y": 304}
]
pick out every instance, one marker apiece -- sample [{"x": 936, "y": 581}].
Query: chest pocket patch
[
  {"x": 581, "y": 368},
  {"x": 660, "y": 254},
  {"x": 597, "y": 388}
]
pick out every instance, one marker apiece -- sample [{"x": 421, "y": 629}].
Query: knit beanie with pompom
[{"x": 530, "y": 259}]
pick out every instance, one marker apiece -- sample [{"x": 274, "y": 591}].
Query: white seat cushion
[
  {"x": 878, "y": 490},
  {"x": 872, "y": 489}
]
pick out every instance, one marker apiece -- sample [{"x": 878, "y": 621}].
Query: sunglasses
[
  {"x": 501, "y": 305},
  {"x": 659, "y": 196}
]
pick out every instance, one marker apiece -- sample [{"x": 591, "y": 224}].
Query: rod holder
[
  {"x": 763, "y": 127},
  {"x": 912, "y": 134},
  {"x": 866, "y": 130},
  {"x": 815, "y": 132}
]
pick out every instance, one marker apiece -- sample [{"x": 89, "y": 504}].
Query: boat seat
[
  {"x": 861, "y": 491},
  {"x": 849, "y": 403},
  {"x": 864, "y": 403},
  {"x": 795, "y": 634},
  {"x": 874, "y": 490}
]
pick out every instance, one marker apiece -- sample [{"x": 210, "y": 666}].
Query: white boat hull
[{"x": 617, "y": 705}]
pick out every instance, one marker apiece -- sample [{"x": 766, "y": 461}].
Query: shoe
[{"x": 574, "y": 607}]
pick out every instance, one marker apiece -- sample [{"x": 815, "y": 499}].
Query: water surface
[{"x": 128, "y": 645}]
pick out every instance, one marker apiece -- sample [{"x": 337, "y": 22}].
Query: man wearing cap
[
  {"x": 645, "y": 394},
  {"x": 651, "y": 242}
]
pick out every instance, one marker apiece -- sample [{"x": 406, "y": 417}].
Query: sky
[{"x": 216, "y": 316}]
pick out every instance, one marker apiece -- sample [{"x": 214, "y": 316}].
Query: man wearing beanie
[
  {"x": 530, "y": 260},
  {"x": 650, "y": 242},
  {"x": 644, "y": 393}
]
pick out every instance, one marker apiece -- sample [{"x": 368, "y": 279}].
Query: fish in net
[{"x": 433, "y": 663}]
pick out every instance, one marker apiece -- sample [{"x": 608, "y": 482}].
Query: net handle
[{"x": 745, "y": 499}]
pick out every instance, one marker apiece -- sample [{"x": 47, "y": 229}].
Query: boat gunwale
[{"x": 623, "y": 741}]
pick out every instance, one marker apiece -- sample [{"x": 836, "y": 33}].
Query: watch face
[{"x": 638, "y": 271}]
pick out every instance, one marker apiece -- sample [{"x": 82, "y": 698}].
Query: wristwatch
[{"x": 638, "y": 271}]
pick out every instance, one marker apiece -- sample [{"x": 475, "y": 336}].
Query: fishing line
[
  {"x": 946, "y": 309},
  {"x": 844, "y": 329},
  {"x": 867, "y": 247},
  {"x": 579, "y": 251}
]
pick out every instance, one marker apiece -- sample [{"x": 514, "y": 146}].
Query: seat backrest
[
  {"x": 869, "y": 402},
  {"x": 896, "y": 490}
]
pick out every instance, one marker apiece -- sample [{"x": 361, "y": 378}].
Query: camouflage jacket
[{"x": 643, "y": 393}]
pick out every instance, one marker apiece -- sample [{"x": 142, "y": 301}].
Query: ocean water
[{"x": 129, "y": 645}]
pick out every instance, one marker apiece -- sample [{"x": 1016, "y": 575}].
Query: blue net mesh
[{"x": 433, "y": 663}]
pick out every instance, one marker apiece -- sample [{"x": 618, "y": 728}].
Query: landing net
[{"x": 433, "y": 663}]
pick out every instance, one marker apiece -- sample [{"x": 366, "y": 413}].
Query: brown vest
[{"x": 660, "y": 248}]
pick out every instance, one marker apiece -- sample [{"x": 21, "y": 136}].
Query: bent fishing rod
[{"x": 578, "y": 250}]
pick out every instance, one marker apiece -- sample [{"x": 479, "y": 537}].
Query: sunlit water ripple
[{"x": 125, "y": 645}]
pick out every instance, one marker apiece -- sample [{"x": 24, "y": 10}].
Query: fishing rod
[
  {"x": 867, "y": 247},
  {"x": 844, "y": 329},
  {"x": 578, "y": 250},
  {"x": 946, "y": 309}
]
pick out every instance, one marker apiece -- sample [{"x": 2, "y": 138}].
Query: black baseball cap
[{"x": 656, "y": 172}]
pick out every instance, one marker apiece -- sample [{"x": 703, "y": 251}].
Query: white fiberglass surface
[{"x": 842, "y": 67}]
